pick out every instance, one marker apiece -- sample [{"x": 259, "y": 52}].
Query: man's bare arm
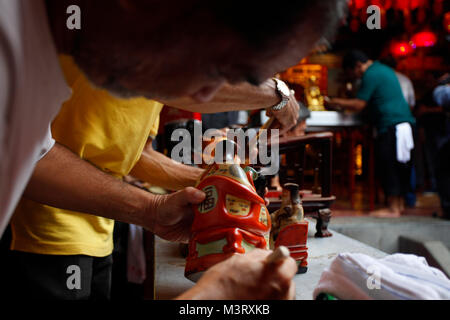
[
  {"x": 160, "y": 170},
  {"x": 244, "y": 96},
  {"x": 349, "y": 104},
  {"x": 61, "y": 179}
]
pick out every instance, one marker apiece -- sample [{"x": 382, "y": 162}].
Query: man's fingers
[
  {"x": 280, "y": 269},
  {"x": 286, "y": 122},
  {"x": 278, "y": 255},
  {"x": 192, "y": 195},
  {"x": 283, "y": 264},
  {"x": 284, "y": 276},
  {"x": 291, "y": 294},
  {"x": 289, "y": 267},
  {"x": 277, "y": 125}
]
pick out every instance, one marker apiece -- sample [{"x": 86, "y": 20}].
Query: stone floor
[
  {"x": 383, "y": 233},
  {"x": 427, "y": 204}
]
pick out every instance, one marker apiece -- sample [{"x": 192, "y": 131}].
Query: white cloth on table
[
  {"x": 356, "y": 276},
  {"x": 405, "y": 141},
  {"x": 32, "y": 90}
]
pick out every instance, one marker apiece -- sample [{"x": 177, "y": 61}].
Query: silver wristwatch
[{"x": 284, "y": 93}]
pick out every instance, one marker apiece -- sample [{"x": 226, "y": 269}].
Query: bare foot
[
  {"x": 385, "y": 213},
  {"x": 402, "y": 205}
]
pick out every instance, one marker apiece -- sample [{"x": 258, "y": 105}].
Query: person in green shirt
[{"x": 380, "y": 94}]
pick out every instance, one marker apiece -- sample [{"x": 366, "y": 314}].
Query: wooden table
[{"x": 352, "y": 127}]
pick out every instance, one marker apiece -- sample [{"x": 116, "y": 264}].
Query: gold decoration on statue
[{"x": 314, "y": 98}]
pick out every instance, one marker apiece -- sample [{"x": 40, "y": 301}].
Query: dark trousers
[
  {"x": 395, "y": 176},
  {"x": 443, "y": 178},
  {"x": 121, "y": 289},
  {"x": 71, "y": 277}
]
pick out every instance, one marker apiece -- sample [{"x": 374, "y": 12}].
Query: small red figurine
[{"x": 289, "y": 228}]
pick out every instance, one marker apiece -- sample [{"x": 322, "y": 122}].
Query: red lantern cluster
[
  {"x": 422, "y": 39},
  {"x": 358, "y": 14},
  {"x": 396, "y": 4},
  {"x": 401, "y": 48}
]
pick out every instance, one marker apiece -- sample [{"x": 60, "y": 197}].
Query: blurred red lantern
[
  {"x": 359, "y": 4},
  {"x": 401, "y": 48},
  {"x": 401, "y": 4},
  {"x": 424, "y": 39}
]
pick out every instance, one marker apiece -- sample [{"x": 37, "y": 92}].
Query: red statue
[
  {"x": 289, "y": 228},
  {"x": 233, "y": 219}
]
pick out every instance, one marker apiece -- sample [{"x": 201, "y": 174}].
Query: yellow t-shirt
[{"x": 106, "y": 131}]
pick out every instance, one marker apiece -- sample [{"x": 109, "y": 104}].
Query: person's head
[
  {"x": 171, "y": 48},
  {"x": 355, "y": 63}
]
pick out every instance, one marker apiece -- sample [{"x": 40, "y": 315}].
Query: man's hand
[
  {"x": 297, "y": 131},
  {"x": 340, "y": 104},
  {"x": 246, "y": 277},
  {"x": 330, "y": 104},
  {"x": 171, "y": 216},
  {"x": 287, "y": 117}
]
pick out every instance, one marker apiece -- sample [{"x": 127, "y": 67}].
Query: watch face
[{"x": 283, "y": 88}]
